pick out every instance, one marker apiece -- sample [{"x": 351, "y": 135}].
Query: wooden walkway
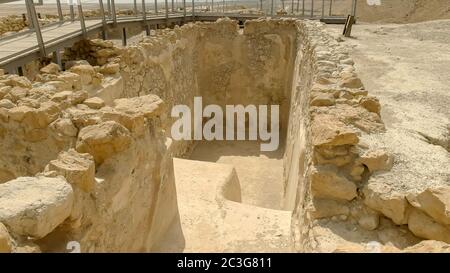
[{"x": 20, "y": 49}]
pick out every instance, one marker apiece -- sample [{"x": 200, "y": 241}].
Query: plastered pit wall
[{"x": 175, "y": 65}]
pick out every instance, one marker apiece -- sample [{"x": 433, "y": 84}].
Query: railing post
[
  {"x": 173, "y": 7},
  {"x": 102, "y": 14},
  {"x": 30, "y": 21},
  {"x": 271, "y": 7},
  {"x": 193, "y": 9},
  {"x": 331, "y": 7},
  {"x": 292, "y": 7},
  {"x": 36, "y": 27},
  {"x": 354, "y": 2},
  {"x": 108, "y": 3},
  {"x": 184, "y": 9},
  {"x": 166, "y": 6},
  {"x": 113, "y": 11},
  {"x": 323, "y": 9},
  {"x": 303, "y": 7},
  {"x": 144, "y": 12},
  {"x": 135, "y": 8},
  {"x": 81, "y": 17},
  {"x": 312, "y": 8},
  {"x": 223, "y": 6},
  {"x": 72, "y": 12},
  {"x": 156, "y": 6},
  {"x": 58, "y": 6}
]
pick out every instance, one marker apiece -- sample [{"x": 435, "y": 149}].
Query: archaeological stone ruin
[{"x": 87, "y": 154}]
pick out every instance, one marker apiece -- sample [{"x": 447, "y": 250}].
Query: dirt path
[{"x": 408, "y": 68}]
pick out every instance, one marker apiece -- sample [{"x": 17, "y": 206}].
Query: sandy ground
[
  {"x": 408, "y": 68},
  {"x": 260, "y": 174}
]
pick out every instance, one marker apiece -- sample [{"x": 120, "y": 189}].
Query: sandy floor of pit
[{"x": 260, "y": 173}]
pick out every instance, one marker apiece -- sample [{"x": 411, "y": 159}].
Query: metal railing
[{"x": 80, "y": 11}]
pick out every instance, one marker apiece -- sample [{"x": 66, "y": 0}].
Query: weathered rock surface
[
  {"x": 103, "y": 140},
  {"x": 35, "y": 206},
  {"x": 78, "y": 169},
  {"x": 326, "y": 183}
]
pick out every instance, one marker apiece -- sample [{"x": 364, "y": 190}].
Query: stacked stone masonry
[{"x": 94, "y": 140}]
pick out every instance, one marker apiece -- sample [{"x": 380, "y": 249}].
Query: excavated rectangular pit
[{"x": 96, "y": 140}]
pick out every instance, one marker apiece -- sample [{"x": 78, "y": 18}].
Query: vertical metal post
[
  {"x": 271, "y": 7},
  {"x": 323, "y": 8},
  {"x": 124, "y": 37},
  {"x": 173, "y": 7},
  {"x": 81, "y": 17},
  {"x": 144, "y": 12},
  {"x": 36, "y": 27},
  {"x": 72, "y": 12},
  {"x": 184, "y": 8},
  {"x": 144, "y": 18},
  {"x": 292, "y": 7},
  {"x": 108, "y": 3},
  {"x": 223, "y": 6},
  {"x": 298, "y": 5},
  {"x": 331, "y": 7},
  {"x": 113, "y": 11},
  {"x": 354, "y": 2},
  {"x": 303, "y": 7},
  {"x": 135, "y": 8},
  {"x": 30, "y": 21},
  {"x": 166, "y": 6},
  {"x": 156, "y": 6},
  {"x": 57, "y": 57},
  {"x": 193, "y": 8},
  {"x": 60, "y": 15},
  {"x": 102, "y": 14},
  {"x": 212, "y": 5},
  {"x": 312, "y": 8}
]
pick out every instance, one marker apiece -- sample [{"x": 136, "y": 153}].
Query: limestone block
[
  {"x": 5, "y": 240},
  {"x": 352, "y": 82},
  {"x": 103, "y": 140},
  {"x": 94, "y": 103},
  {"x": 326, "y": 183},
  {"x": 149, "y": 105},
  {"x": 35, "y": 206},
  {"x": 328, "y": 130},
  {"x": 110, "y": 68},
  {"x": 20, "y": 81},
  {"x": 323, "y": 99},
  {"x": 7, "y": 104},
  {"x": 86, "y": 72},
  {"x": 51, "y": 68},
  {"x": 65, "y": 127},
  {"x": 372, "y": 104},
  {"x": 377, "y": 160},
  {"x": 324, "y": 208},
  {"x": 71, "y": 78},
  {"x": 435, "y": 202},
  {"x": 78, "y": 169},
  {"x": 380, "y": 197},
  {"x": 424, "y": 226}
]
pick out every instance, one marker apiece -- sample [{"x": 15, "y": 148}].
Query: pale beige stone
[
  {"x": 103, "y": 140},
  {"x": 94, "y": 103},
  {"x": 35, "y": 206},
  {"x": 51, "y": 68},
  {"x": 425, "y": 227},
  {"x": 78, "y": 169},
  {"x": 381, "y": 198},
  {"x": 326, "y": 183},
  {"x": 5, "y": 240}
]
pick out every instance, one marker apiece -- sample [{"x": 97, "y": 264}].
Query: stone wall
[{"x": 94, "y": 140}]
